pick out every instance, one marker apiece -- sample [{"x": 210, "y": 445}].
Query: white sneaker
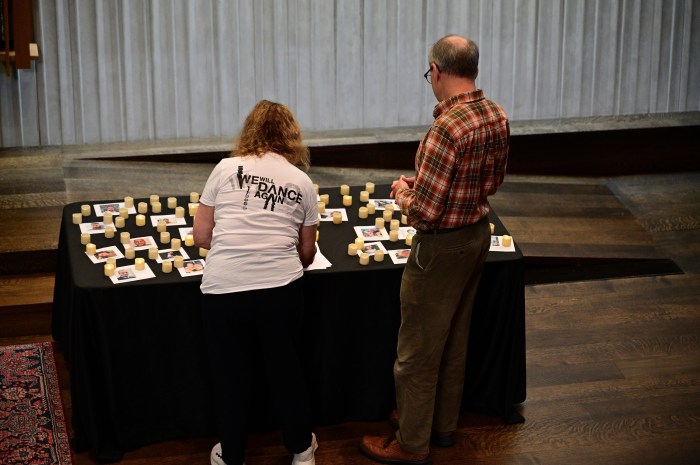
[
  {"x": 215, "y": 456},
  {"x": 306, "y": 457}
]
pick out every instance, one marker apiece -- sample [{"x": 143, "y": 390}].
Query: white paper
[
  {"x": 113, "y": 207},
  {"x": 404, "y": 231},
  {"x": 184, "y": 232},
  {"x": 101, "y": 255},
  {"x": 328, "y": 214},
  {"x": 372, "y": 233},
  {"x": 399, "y": 256},
  {"x": 96, "y": 227},
  {"x": 141, "y": 243},
  {"x": 168, "y": 255},
  {"x": 320, "y": 261},
  {"x": 371, "y": 248},
  {"x": 126, "y": 274},
  {"x": 192, "y": 267},
  {"x": 170, "y": 220},
  {"x": 496, "y": 245},
  {"x": 381, "y": 204}
]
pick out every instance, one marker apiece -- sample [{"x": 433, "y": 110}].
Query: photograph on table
[
  {"x": 404, "y": 231},
  {"x": 126, "y": 274},
  {"x": 371, "y": 248},
  {"x": 380, "y": 204},
  {"x": 170, "y": 220},
  {"x": 101, "y": 255},
  {"x": 184, "y": 232},
  {"x": 497, "y": 245},
  {"x": 192, "y": 267},
  {"x": 372, "y": 233},
  {"x": 328, "y": 214},
  {"x": 94, "y": 227},
  {"x": 168, "y": 255},
  {"x": 399, "y": 256},
  {"x": 141, "y": 243},
  {"x": 113, "y": 207}
]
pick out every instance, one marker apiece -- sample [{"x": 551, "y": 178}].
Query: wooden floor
[{"x": 613, "y": 364}]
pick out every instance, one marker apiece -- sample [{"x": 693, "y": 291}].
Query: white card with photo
[
  {"x": 380, "y": 204},
  {"x": 170, "y": 220},
  {"x": 192, "y": 267},
  {"x": 101, "y": 255},
  {"x": 126, "y": 274},
  {"x": 141, "y": 243},
  {"x": 184, "y": 232},
  {"x": 371, "y": 248},
  {"x": 497, "y": 245},
  {"x": 328, "y": 214},
  {"x": 320, "y": 261},
  {"x": 168, "y": 255},
  {"x": 399, "y": 256},
  {"x": 96, "y": 227},
  {"x": 405, "y": 231},
  {"x": 113, "y": 208},
  {"x": 372, "y": 233}
]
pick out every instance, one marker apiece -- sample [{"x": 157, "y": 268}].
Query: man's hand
[{"x": 402, "y": 183}]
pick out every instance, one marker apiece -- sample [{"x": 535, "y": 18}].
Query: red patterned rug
[{"x": 32, "y": 424}]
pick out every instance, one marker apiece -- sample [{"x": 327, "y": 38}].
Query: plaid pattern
[{"x": 460, "y": 162}]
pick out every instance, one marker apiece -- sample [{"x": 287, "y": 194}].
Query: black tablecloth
[{"x": 137, "y": 355}]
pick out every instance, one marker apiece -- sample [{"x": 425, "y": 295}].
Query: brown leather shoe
[
  {"x": 388, "y": 450},
  {"x": 447, "y": 439}
]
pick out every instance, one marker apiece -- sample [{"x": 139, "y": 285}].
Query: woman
[{"x": 258, "y": 216}]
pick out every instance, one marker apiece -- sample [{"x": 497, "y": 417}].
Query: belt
[{"x": 449, "y": 230}]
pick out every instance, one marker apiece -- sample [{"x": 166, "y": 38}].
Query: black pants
[{"x": 257, "y": 326}]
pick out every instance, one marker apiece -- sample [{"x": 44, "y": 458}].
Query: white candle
[
  {"x": 85, "y": 210},
  {"x": 404, "y": 219},
  {"x": 164, "y": 237},
  {"x": 140, "y": 264},
  {"x": 129, "y": 202},
  {"x": 112, "y": 260},
  {"x": 316, "y": 188},
  {"x": 90, "y": 248},
  {"x": 124, "y": 237},
  {"x": 364, "y": 196},
  {"x": 189, "y": 240},
  {"x": 337, "y": 218},
  {"x": 352, "y": 249},
  {"x": 109, "y": 232},
  {"x": 317, "y": 234},
  {"x": 362, "y": 212},
  {"x": 156, "y": 207},
  {"x": 203, "y": 252},
  {"x": 409, "y": 239},
  {"x": 140, "y": 220},
  {"x": 394, "y": 224},
  {"x": 347, "y": 200},
  {"x": 506, "y": 241},
  {"x": 109, "y": 269},
  {"x": 193, "y": 209},
  {"x": 172, "y": 202},
  {"x": 493, "y": 227},
  {"x": 179, "y": 261},
  {"x": 387, "y": 215},
  {"x": 84, "y": 238},
  {"x": 77, "y": 218},
  {"x": 325, "y": 198},
  {"x": 379, "y": 256},
  {"x": 194, "y": 197},
  {"x": 143, "y": 207},
  {"x": 394, "y": 235},
  {"x": 180, "y": 212},
  {"x": 321, "y": 207},
  {"x": 364, "y": 258},
  {"x": 107, "y": 218},
  {"x": 369, "y": 187},
  {"x": 344, "y": 189},
  {"x": 360, "y": 243},
  {"x": 119, "y": 222},
  {"x": 152, "y": 253},
  {"x": 175, "y": 244},
  {"x": 161, "y": 226},
  {"x": 129, "y": 253},
  {"x": 167, "y": 267},
  {"x": 371, "y": 207},
  {"x": 389, "y": 207},
  {"x": 123, "y": 212},
  {"x": 379, "y": 223},
  {"x": 154, "y": 198}
]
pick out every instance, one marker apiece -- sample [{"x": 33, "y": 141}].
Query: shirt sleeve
[
  {"x": 211, "y": 188},
  {"x": 310, "y": 204}
]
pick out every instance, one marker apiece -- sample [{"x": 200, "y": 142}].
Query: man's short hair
[{"x": 457, "y": 59}]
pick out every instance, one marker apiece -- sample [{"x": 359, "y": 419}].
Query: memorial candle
[
  {"x": 371, "y": 208},
  {"x": 379, "y": 256},
  {"x": 109, "y": 269},
  {"x": 123, "y": 212},
  {"x": 203, "y": 252},
  {"x": 84, "y": 238},
  {"x": 387, "y": 215},
  {"x": 321, "y": 207},
  {"x": 90, "y": 248},
  {"x": 152, "y": 253},
  {"x": 506, "y": 241},
  {"x": 337, "y": 218},
  {"x": 493, "y": 227},
  {"x": 85, "y": 210},
  {"x": 154, "y": 198},
  {"x": 119, "y": 222},
  {"x": 165, "y": 237},
  {"x": 129, "y": 202},
  {"x": 161, "y": 226},
  {"x": 130, "y": 253},
  {"x": 124, "y": 237},
  {"x": 143, "y": 207},
  {"x": 394, "y": 224},
  {"x": 194, "y": 197},
  {"x": 175, "y": 244},
  {"x": 352, "y": 249},
  {"x": 379, "y": 223},
  {"x": 179, "y": 212},
  {"x": 369, "y": 187},
  {"x": 107, "y": 218},
  {"x": 156, "y": 207},
  {"x": 344, "y": 189},
  {"x": 179, "y": 261},
  {"x": 409, "y": 239},
  {"x": 193, "y": 209},
  {"x": 167, "y": 267},
  {"x": 325, "y": 198},
  {"x": 189, "y": 240},
  {"x": 77, "y": 218},
  {"x": 364, "y": 196},
  {"x": 112, "y": 260},
  {"x": 362, "y": 212},
  {"x": 394, "y": 235},
  {"x": 172, "y": 202},
  {"x": 316, "y": 188},
  {"x": 404, "y": 219},
  {"x": 109, "y": 232},
  {"x": 347, "y": 200},
  {"x": 360, "y": 243},
  {"x": 364, "y": 258},
  {"x": 140, "y": 264},
  {"x": 140, "y": 220}
]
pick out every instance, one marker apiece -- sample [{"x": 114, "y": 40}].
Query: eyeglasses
[{"x": 429, "y": 72}]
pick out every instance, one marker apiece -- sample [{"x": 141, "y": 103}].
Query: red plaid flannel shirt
[{"x": 459, "y": 163}]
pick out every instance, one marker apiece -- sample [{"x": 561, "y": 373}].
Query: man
[{"x": 460, "y": 161}]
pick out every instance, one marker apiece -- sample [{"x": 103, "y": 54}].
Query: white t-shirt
[{"x": 259, "y": 205}]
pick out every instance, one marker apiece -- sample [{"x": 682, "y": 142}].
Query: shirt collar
[{"x": 448, "y": 103}]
